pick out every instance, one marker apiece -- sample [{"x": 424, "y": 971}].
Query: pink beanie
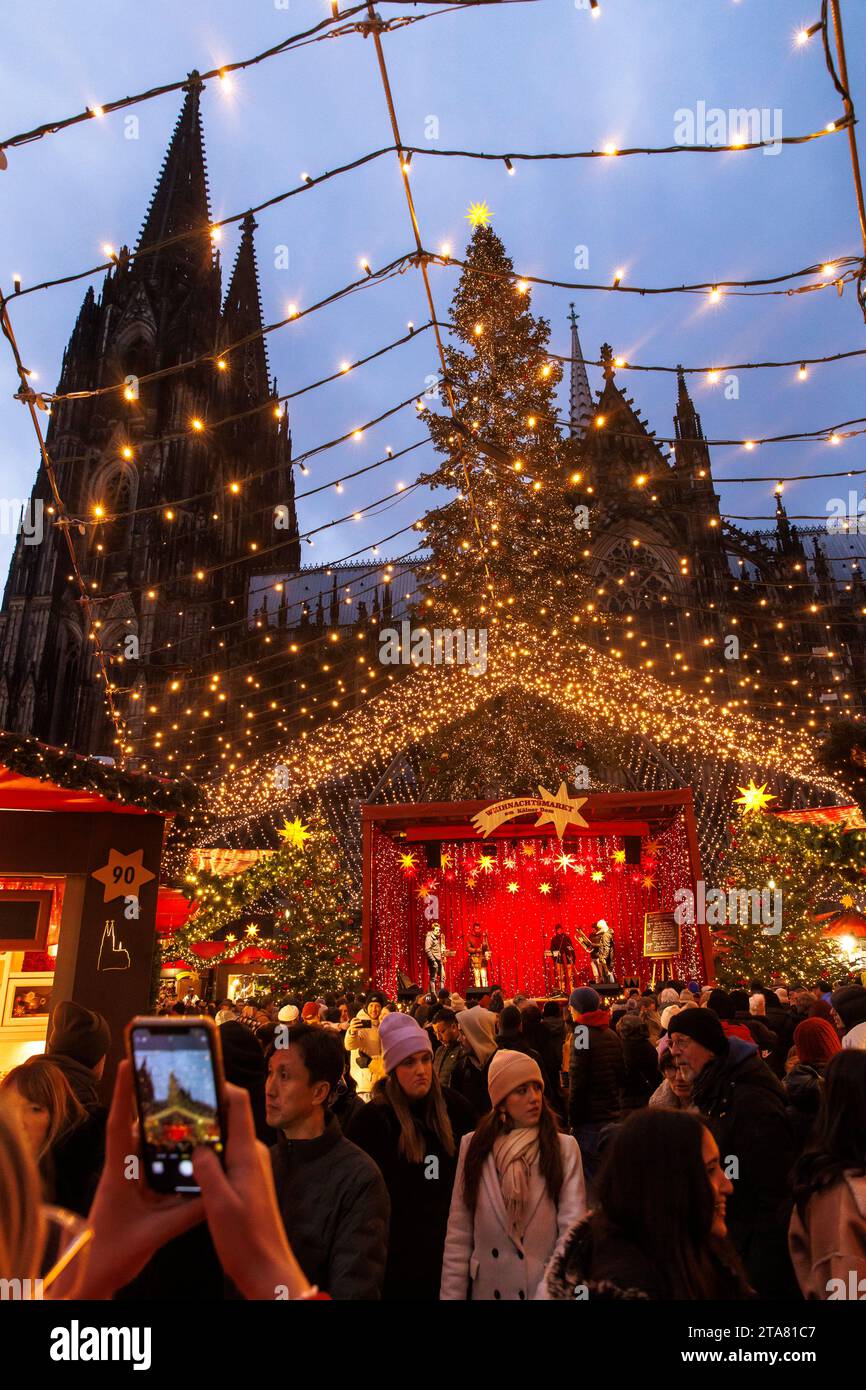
[
  {"x": 507, "y": 1071},
  {"x": 400, "y": 1036}
]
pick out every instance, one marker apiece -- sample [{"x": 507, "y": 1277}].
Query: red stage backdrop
[{"x": 527, "y": 888}]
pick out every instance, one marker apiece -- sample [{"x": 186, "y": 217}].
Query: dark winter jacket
[
  {"x": 763, "y": 1037},
  {"x": 335, "y": 1209},
  {"x": 781, "y": 1022},
  {"x": 470, "y": 1081},
  {"x": 83, "y": 1083},
  {"x": 804, "y": 1086},
  {"x": 596, "y": 1073},
  {"x": 74, "y": 1166},
  {"x": 640, "y": 1070},
  {"x": 420, "y": 1192},
  {"x": 745, "y": 1104},
  {"x": 598, "y": 1262},
  {"x": 445, "y": 1060},
  {"x": 516, "y": 1042}
]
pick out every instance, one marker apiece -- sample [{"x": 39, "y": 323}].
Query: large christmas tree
[
  {"x": 818, "y": 869},
  {"x": 303, "y": 896},
  {"x": 506, "y": 545}
]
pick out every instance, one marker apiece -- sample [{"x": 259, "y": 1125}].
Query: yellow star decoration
[
  {"x": 123, "y": 875},
  {"x": 597, "y": 876},
  {"x": 544, "y": 888},
  {"x": 528, "y": 849},
  {"x": 566, "y": 809},
  {"x": 231, "y": 937},
  {"x": 470, "y": 882},
  {"x": 652, "y": 847},
  {"x": 619, "y": 856},
  {"x": 648, "y": 881},
  {"x": 446, "y": 860},
  {"x": 513, "y": 887},
  {"x": 580, "y": 869},
  {"x": 252, "y": 931},
  {"x": 846, "y": 900},
  {"x": 565, "y": 862},
  {"x": 424, "y": 890},
  {"x": 754, "y": 798},
  {"x": 408, "y": 861},
  {"x": 485, "y": 862},
  {"x": 294, "y": 833},
  {"x": 478, "y": 215}
]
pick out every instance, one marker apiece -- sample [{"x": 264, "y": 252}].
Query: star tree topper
[
  {"x": 754, "y": 798},
  {"x": 294, "y": 833}
]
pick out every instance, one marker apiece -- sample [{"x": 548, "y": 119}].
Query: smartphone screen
[{"x": 178, "y": 1108}]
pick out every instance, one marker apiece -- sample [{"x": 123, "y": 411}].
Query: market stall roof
[{"x": 37, "y": 777}]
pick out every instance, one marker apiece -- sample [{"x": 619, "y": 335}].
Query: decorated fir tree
[
  {"x": 304, "y": 895},
  {"x": 818, "y": 871},
  {"x": 506, "y": 544}
]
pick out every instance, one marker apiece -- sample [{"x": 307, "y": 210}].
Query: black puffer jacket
[
  {"x": 745, "y": 1104},
  {"x": 596, "y": 1072}
]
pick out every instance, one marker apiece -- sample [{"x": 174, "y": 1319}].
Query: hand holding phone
[{"x": 178, "y": 1078}]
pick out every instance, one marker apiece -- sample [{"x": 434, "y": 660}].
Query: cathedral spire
[
  {"x": 180, "y": 202},
  {"x": 580, "y": 403},
  {"x": 783, "y": 526},
  {"x": 687, "y": 421},
  {"x": 242, "y": 317}
]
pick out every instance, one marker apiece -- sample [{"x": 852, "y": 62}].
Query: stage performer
[
  {"x": 562, "y": 951},
  {"x": 434, "y": 950},
  {"x": 479, "y": 954},
  {"x": 602, "y": 953}
]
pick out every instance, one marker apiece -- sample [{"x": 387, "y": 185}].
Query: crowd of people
[{"x": 686, "y": 1142}]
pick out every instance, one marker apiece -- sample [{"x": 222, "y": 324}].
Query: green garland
[{"x": 27, "y": 756}]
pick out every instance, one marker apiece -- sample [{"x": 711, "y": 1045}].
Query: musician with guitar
[{"x": 600, "y": 945}]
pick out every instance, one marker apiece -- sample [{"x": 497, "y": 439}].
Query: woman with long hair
[
  {"x": 412, "y": 1128},
  {"x": 657, "y": 1229},
  {"x": 66, "y": 1141},
  {"x": 519, "y": 1188},
  {"x": 827, "y": 1235}
]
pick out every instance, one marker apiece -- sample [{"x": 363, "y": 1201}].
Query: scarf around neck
[{"x": 515, "y": 1154}]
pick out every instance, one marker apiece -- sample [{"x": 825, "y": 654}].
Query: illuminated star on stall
[
  {"x": 446, "y": 860},
  {"x": 528, "y": 849},
  {"x": 479, "y": 215},
  {"x": 619, "y": 856},
  {"x": 652, "y": 847},
  {"x": 562, "y": 809},
  {"x": 544, "y": 888},
  {"x": 597, "y": 876},
  {"x": 510, "y": 862},
  {"x": 408, "y": 863},
  {"x": 754, "y": 798},
  {"x": 565, "y": 862},
  {"x": 252, "y": 931},
  {"x": 486, "y": 862},
  {"x": 294, "y": 833},
  {"x": 846, "y": 900},
  {"x": 512, "y": 887},
  {"x": 580, "y": 869},
  {"x": 648, "y": 881}
]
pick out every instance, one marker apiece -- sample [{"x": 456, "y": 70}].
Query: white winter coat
[
  {"x": 364, "y": 1040},
  {"x": 483, "y": 1253}
]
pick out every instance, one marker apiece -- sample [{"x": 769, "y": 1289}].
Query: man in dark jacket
[
  {"x": 332, "y": 1197},
  {"x": 446, "y": 1056},
  {"x": 745, "y": 1105},
  {"x": 78, "y": 1043},
  {"x": 596, "y": 1075}
]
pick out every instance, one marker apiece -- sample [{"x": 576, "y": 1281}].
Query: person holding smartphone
[{"x": 365, "y": 1051}]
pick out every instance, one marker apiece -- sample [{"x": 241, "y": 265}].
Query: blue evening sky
[{"x": 531, "y": 77}]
